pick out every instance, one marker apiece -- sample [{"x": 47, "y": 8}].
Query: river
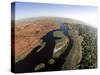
[{"x": 43, "y": 56}]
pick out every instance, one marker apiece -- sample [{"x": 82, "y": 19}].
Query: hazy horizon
[{"x": 86, "y": 14}]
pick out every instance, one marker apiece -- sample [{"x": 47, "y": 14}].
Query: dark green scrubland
[{"x": 89, "y": 46}]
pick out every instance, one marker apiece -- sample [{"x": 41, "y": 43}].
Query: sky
[{"x": 86, "y": 14}]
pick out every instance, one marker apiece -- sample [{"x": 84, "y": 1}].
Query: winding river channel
[{"x": 43, "y": 56}]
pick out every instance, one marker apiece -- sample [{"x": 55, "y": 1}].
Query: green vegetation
[
  {"x": 40, "y": 66},
  {"x": 59, "y": 52},
  {"x": 58, "y": 34},
  {"x": 89, "y": 46},
  {"x": 61, "y": 44},
  {"x": 63, "y": 39},
  {"x": 51, "y": 61}
]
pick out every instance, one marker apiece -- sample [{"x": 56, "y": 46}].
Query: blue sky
[{"x": 84, "y": 13}]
